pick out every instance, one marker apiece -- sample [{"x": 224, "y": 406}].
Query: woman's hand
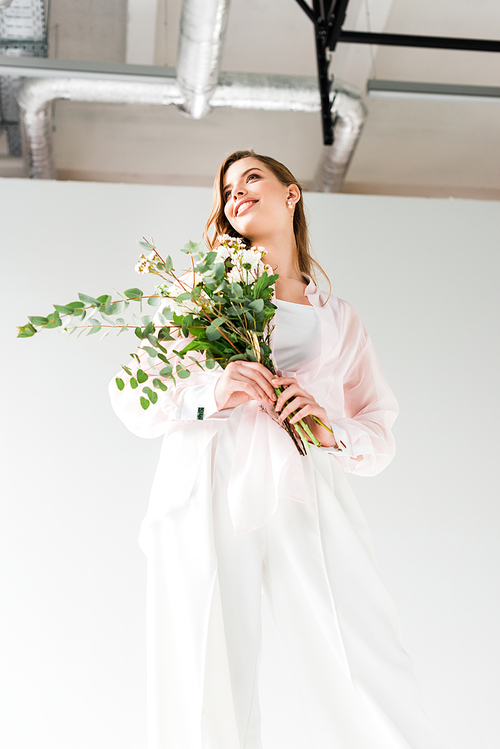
[
  {"x": 295, "y": 398},
  {"x": 243, "y": 381}
]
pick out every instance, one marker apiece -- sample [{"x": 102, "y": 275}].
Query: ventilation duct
[
  {"x": 22, "y": 34},
  {"x": 203, "y": 25},
  {"x": 235, "y": 90}
]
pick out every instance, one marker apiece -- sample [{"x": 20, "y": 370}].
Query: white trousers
[{"x": 335, "y": 619}]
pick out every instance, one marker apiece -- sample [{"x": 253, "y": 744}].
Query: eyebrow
[{"x": 247, "y": 171}]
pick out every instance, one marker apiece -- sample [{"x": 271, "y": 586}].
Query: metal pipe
[
  {"x": 349, "y": 112},
  {"x": 236, "y": 90},
  {"x": 203, "y": 23}
]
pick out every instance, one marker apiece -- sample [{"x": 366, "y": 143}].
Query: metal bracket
[
  {"x": 328, "y": 17},
  {"x": 327, "y": 20}
]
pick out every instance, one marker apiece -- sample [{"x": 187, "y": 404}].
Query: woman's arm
[
  {"x": 370, "y": 407},
  {"x": 205, "y": 394}
]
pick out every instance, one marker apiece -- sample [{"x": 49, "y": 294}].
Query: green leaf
[
  {"x": 182, "y": 372},
  {"x": 54, "y": 321},
  {"x": 166, "y": 371},
  {"x": 141, "y": 375},
  {"x": 107, "y": 319},
  {"x": 138, "y": 332},
  {"x": 257, "y": 305},
  {"x": 116, "y": 307},
  {"x": 157, "y": 383},
  {"x": 75, "y": 305},
  {"x": 89, "y": 300},
  {"x": 119, "y": 383},
  {"x": 38, "y": 320},
  {"x": 26, "y": 331},
  {"x": 96, "y": 327},
  {"x": 133, "y": 383},
  {"x": 151, "y": 351},
  {"x": 212, "y": 333},
  {"x": 210, "y": 363},
  {"x": 164, "y": 335},
  {"x": 132, "y": 293},
  {"x": 144, "y": 403},
  {"x": 168, "y": 264},
  {"x": 127, "y": 370},
  {"x": 146, "y": 245},
  {"x": 104, "y": 298},
  {"x": 154, "y": 301},
  {"x": 63, "y": 310},
  {"x": 153, "y": 397},
  {"x": 190, "y": 247}
]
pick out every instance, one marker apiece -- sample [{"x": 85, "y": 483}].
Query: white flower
[
  {"x": 151, "y": 256},
  {"x": 252, "y": 257},
  {"x": 235, "y": 275},
  {"x": 223, "y": 253},
  {"x": 144, "y": 265}
]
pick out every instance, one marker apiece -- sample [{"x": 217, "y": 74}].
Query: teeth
[{"x": 248, "y": 202}]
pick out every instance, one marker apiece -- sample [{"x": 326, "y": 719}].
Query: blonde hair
[{"x": 220, "y": 225}]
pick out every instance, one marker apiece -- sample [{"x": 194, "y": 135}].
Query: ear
[{"x": 293, "y": 193}]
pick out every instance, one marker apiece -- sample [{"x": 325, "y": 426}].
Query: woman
[{"x": 234, "y": 509}]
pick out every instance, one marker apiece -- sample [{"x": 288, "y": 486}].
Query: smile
[{"x": 244, "y": 207}]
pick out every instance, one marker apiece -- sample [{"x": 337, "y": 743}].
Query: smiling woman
[{"x": 257, "y": 516}]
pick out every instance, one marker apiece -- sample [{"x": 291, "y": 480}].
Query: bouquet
[{"x": 222, "y": 306}]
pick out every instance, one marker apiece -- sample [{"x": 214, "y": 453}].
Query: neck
[{"x": 281, "y": 253}]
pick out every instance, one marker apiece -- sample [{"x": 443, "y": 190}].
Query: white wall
[{"x": 424, "y": 276}]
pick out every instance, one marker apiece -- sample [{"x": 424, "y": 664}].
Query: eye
[
  {"x": 226, "y": 194},
  {"x": 253, "y": 175}
]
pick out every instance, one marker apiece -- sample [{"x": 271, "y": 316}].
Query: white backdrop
[{"x": 423, "y": 274}]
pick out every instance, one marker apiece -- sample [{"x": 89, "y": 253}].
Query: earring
[{"x": 289, "y": 203}]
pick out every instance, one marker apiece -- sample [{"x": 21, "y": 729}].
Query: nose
[{"x": 238, "y": 191}]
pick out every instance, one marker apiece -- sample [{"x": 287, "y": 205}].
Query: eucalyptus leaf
[
  {"x": 119, "y": 383},
  {"x": 95, "y": 328},
  {"x": 141, "y": 376},
  {"x": 151, "y": 351},
  {"x": 38, "y": 320},
  {"x": 144, "y": 402},
  {"x": 133, "y": 293},
  {"x": 182, "y": 371},
  {"x": 89, "y": 300},
  {"x": 212, "y": 333},
  {"x": 133, "y": 383},
  {"x": 154, "y": 301}
]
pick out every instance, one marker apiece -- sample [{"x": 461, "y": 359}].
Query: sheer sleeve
[
  {"x": 189, "y": 399},
  {"x": 364, "y": 434}
]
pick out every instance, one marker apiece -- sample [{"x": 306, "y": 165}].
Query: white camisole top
[{"x": 296, "y": 336}]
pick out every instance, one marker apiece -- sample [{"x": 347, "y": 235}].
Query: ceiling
[{"x": 427, "y": 148}]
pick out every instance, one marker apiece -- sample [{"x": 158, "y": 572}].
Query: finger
[
  {"x": 306, "y": 411},
  {"x": 277, "y": 381},
  {"x": 259, "y": 377},
  {"x": 257, "y": 390},
  {"x": 290, "y": 392},
  {"x": 264, "y": 371},
  {"x": 296, "y": 403}
]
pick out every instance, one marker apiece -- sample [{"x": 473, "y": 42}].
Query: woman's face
[{"x": 255, "y": 201}]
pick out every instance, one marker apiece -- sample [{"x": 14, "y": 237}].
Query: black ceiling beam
[
  {"x": 327, "y": 17},
  {"x": 409, "y": 40}
]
